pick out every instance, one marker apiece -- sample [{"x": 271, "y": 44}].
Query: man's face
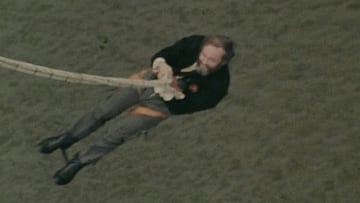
[{"x": 210, "y": 59}]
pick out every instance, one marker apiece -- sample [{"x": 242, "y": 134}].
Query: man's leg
[
  {"x": 129, "y": 127},
  {"x": 114, "y": 105}
]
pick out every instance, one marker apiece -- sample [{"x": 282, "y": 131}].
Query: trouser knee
[{"x": 101, "y": 114}]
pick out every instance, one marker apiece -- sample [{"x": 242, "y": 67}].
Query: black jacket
[{"x": 211, "y": 88}]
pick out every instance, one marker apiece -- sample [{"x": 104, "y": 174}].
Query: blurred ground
[{"x": 287, "y": 132}]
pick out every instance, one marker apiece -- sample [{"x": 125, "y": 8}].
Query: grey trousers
[{"x": 128, "y": 127}]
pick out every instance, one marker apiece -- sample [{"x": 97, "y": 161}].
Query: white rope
[{"x": 161, "y": 87}]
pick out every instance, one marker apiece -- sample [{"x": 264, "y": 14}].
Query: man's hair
[{"x": 221, "y": 41}]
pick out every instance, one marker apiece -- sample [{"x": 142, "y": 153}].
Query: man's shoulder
[
  {"x": 196, "y": 36},
  {"x": 224, "y": 70},
  {"x": 224, "y": 75},
  {"x": 193, "y": 38}
]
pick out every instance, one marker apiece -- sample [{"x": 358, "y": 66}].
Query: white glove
[
  {"x": 162, "y": 69},
  {"x": 164, "y": 72},
  {"x": 169, "y": 93}
]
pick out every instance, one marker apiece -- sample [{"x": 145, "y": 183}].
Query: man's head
[{"x": 216, "y": 51}]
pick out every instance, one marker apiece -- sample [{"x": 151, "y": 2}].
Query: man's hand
[
  {"x": 162, "y": 69},
  {"x": 164, "y": 72},
  {"x": 139, "y": 75}
]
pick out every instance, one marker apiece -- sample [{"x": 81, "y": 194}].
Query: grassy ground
[{"x": 287, "y": 132}]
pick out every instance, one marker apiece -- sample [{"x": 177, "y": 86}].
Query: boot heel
[
  {"x": 50, "y": 144},
  {"x": 68, "y": 172}
]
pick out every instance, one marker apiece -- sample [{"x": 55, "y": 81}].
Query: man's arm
[
  {"x": 204, "y": 99},
  {"x": 139, "y": 75},
  {"x": 181, "y": 54},
  {"x": 206, "y": 94}
]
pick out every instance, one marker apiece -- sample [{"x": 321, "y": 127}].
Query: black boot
[
  {"x": 62, "y": 141},
  {"x": 68, "y": 172}
]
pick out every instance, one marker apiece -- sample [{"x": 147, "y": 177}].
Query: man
[{"x": 198, "y": 68}]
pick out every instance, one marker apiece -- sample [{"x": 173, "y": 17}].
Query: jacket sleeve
[
  {"x": 208, "y": 97},
  {"x": 181, "y": 53}
]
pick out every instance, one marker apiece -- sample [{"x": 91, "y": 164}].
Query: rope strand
[{"x": 162, "y": 87}]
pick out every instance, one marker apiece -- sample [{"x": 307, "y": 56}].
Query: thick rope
[{"x": 161, "y": 87}]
